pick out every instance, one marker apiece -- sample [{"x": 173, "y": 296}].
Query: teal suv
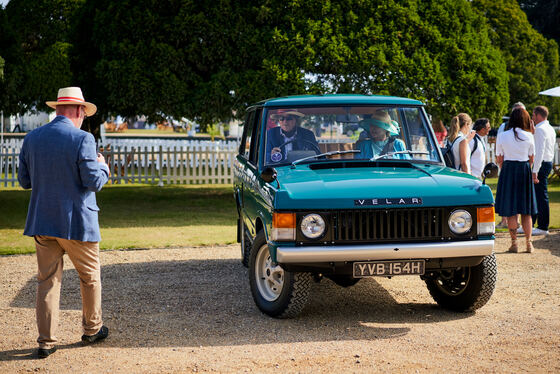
[{"x": 350, "y": 187}]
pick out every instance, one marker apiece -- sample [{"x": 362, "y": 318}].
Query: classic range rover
[{"x": 349, "y": 187}]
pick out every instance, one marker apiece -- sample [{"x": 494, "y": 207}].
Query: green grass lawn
[
  {"x": 144, "y": 216},
  {"x": 138, "y": 216}
]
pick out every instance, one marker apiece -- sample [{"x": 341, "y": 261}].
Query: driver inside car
[
  {"x": 288, "y": 136},
  {"x": 379, "y": 137}
]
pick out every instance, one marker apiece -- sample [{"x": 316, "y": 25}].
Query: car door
[{"x": 248, "y": 164}]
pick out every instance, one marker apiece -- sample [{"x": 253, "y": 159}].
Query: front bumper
[{"x": 372, "y": 252}]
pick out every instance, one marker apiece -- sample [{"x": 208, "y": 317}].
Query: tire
[
  {"x": 278, "y": 293},
  {"x": 464, "y": 289},
  {"x": 343, "y": 280},
  {"x": 245, "y": 244}
]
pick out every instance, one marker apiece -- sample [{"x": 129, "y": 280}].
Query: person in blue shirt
[{"x": 379, "y": 137}]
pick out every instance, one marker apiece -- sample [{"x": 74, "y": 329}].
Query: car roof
[{"x": 337, "y": 99}]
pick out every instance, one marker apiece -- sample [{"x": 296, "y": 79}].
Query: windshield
[{"x": 357, "y": 132}]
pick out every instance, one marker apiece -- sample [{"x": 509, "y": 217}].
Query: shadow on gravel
[
  {"x": 208, "y": 303},
  {"x": 550, "y": 242},
  {"x": 30, "y": 353}
]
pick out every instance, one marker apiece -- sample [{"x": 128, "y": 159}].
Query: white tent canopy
[{"x": 551, "y": 92}]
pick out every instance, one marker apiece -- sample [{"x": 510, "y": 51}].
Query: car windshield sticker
[
  {"x": 392, "y": 201},
  {"x": 275, "y": 157}
]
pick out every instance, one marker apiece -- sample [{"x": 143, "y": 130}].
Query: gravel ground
[{"x": 190, "y": 310}]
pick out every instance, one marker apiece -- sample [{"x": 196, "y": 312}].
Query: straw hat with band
[
  {"x": 392, "y": 128},
  {"x": 72, "y": 96},
  {"x": 286, "y": 112}
]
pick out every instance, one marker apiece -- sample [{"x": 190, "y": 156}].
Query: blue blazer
[
  {"x": 304, "y": 141},
  {"x": 59, "y": 163}
]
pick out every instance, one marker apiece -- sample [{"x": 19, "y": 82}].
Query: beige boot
[{"x": 530, "y": 248}]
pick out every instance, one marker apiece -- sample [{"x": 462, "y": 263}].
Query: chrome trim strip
[{"x": 290, "y": 255}]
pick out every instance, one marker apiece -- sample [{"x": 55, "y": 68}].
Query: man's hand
[{"x": 535, "y": 179}]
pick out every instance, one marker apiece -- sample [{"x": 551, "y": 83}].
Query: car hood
[{"x": 396, "y": 185}]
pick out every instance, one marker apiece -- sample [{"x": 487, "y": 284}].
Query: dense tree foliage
[
  {"x": 207, "y": 60},
  {"x": 173, "y": 58},
  {"x": 429, "y": 50},
  {"x": 531, "y": 59},
  {"x": 37, "y": 52},
  {"x": 544, "y": 15}
]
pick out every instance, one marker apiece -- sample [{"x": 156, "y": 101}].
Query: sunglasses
[{"x": 286, "y": 118}]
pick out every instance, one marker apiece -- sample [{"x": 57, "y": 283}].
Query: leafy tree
[
  {"x": 531, "y": 59},
  {"x": 208, "y": 60},
  {"x": 163, "y": 58},
  {"x": 37, "y": 55},
  {"x": 431, "y": 50},
  {"x": 544, "y": 15}
]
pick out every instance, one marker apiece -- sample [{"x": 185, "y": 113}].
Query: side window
[
  {"x": 245, "y": 146},
  {"x": 256, "y": 135}
]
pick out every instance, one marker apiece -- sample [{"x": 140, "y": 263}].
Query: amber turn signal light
[
  {"x": 485, "y": 214},
  {"x": 284, "y": 220}
]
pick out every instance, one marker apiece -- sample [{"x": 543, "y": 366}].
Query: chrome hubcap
[{"x": 269, "y": 277}]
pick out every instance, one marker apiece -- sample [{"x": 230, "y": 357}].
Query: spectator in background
[
  {"x": 478, "y": 146},
  {"x": 460, "y": 134},
  {"x": 545, "y": 137},
  {"x": 515, "y": 149},
  {"x": 503, "y": 224},
  {"x": 440, "y": 131},
  {"x": 504, "y": 126}
]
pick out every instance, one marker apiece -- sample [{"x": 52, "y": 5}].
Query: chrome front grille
[{"x": 384, "y": 225}]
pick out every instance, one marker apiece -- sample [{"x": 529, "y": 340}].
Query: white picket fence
[
  {"x": 193, "y": 163},
  {"x": 172, "y": 165},
  {"x": 197, "y": 163}
]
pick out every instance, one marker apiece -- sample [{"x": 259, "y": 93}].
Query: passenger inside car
[{"x": 380, "y": 136}]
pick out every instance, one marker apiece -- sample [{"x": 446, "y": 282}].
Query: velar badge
[{"x": 389, "y": 201}]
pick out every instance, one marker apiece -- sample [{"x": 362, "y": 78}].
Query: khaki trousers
[{"x": 85, "y": 257}]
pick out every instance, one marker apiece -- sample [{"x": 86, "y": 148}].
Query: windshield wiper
[
  {"x": 399, "y": 153},
  {"x": 325, "y": 154}
]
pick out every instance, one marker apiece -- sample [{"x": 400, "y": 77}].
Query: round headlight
[
  {"x": 313, "y": 226},
  {"x": 460, "y": 221}
]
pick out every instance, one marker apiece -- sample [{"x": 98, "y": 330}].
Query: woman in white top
[
  {"x": 478, "y": 147},
  {"x": 460, "y": 135},
  {"x": 515, "y": 149}
]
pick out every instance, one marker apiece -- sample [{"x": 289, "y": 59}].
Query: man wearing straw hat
[{"x": 59, "y": 162}]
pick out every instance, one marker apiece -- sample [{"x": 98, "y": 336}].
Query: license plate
[{"x": 388, "y": 268}]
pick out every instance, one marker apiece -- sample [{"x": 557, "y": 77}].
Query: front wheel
[
  {"x": 464, "y": 289},
  {"x": 278, "y": 293}
]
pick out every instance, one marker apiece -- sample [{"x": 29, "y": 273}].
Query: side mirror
[
  {"x": 269, "y": 175},
  {"x": 490, "y": 171}
]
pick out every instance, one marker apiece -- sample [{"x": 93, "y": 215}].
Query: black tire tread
[
  {"x": 295, "y": 294},
  {"x": 299, "y": 295},
  {"x": 489, "y": 270}
]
